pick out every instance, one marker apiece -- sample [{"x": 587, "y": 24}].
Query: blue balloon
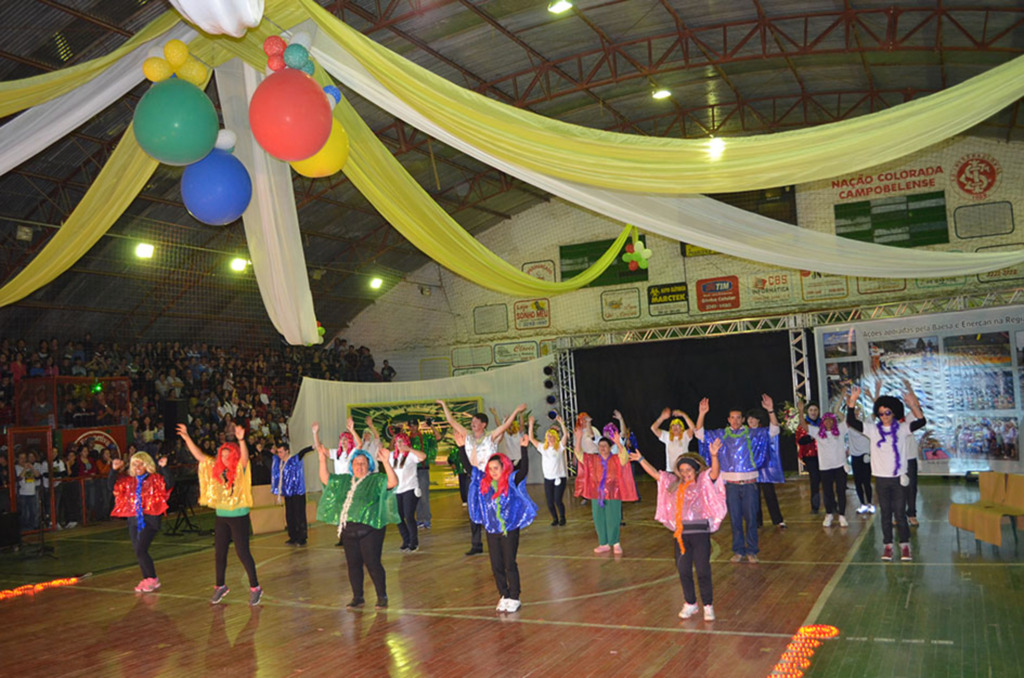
[{"x": 217, "y": 189}]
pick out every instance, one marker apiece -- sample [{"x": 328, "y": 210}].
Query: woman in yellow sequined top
[{"x": 225, "y": 485}]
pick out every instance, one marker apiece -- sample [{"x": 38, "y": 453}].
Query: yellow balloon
[
  {"x": 156, "y": 69},
  {"x": 176, "y": 53},
  {"x": 192, "y": 71},
  {"x": 328, "y": 159}
]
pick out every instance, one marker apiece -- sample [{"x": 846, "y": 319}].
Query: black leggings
[
  {"x": 811, "y": 465},
  {"x": 771, "y": 500},
  {"x": 502, "y": 549},
  {"x": 698, "y": 554},
  {"x": 833, "y": 482},
  {"x": 235, "y": 529},
  {"x": 554, "y": 494},
  {"x": 862, "y": 478},
  {"x": 910, "y": 491},
  {"x": 295, "y": 517},
  {"x": 892, "y": 504},
  {"x": 363, "y": 546},
  {"x": 407, "y": 512},
  {"x": 141, "y": 539}
]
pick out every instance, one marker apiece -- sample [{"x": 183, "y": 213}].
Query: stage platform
[{"x": 952, "y": 612}]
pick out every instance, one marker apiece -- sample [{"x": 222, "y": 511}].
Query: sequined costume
[
  {"x": 372, "y": 504},
  {"x": 219, "y": 494}
]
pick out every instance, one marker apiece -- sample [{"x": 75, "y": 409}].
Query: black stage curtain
[{"x": 641, "y": 379}]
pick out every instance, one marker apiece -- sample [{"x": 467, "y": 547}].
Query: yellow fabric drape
[
  {"x": 661, "y": 165},
  {"x": 120, "y": 180},
  {"x": 17, "y": 95},
  {"x": 412, "y": 212}
]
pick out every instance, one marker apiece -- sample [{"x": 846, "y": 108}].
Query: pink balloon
[{"x": 275, "y": 44}]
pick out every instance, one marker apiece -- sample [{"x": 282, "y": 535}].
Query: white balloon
[
  {"x": 301, "y": 38},
  {"x": 226, "y": 140},
  {"x": 220, "y": 17}
]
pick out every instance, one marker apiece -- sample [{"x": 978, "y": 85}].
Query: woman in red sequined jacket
[{"x": 140, "y": 495}]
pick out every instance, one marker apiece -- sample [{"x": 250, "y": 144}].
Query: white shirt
[
  {"x": 513, "y": 446},
  {"x": 831, "y": 450},
  {"x": 674, "y": 448},
  {"x": 552, "y": 461},
  {"x": 859, "y": 443},
  {"x": 26, "y": 488},
  {"x": 407, "y": 479},
  {"x": 42, "y": 472},
  {"x": 484, "y": 450},
  {"x": 340, "y": 461},
  {"x": 589, "y": 442}
]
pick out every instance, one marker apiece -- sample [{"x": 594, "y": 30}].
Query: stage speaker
[{"x": 175, "y": 412}]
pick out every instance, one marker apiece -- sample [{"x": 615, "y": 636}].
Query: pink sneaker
[
  {"x": 150, "y": 585},
  {"x": 141, "y": 586},
  {"x": 617, "y": 549},
  {"x": 603, "y": 548}
]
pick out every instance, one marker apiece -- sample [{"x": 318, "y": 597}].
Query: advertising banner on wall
[{"x": 966, "y": 368}]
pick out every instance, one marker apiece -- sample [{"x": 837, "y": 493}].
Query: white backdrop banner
[{"x": 328, "y": 402}]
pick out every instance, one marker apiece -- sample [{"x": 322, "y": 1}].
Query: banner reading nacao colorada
[{"x": 966, "y": 368}]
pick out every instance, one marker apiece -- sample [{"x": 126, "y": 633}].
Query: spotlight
[
  {"x": 552, "y": 414},
  {"x": 549, "y": 370},
  {"x": 716, "y": 147},
  {"x": 144, "y": 250},
  {"x": 559, "y": 6},
  {"x": 661, "y": 94},
  {"x": 376, "y": 283},
  {"x": 238, "y": 264},
  {"x": 548, "y": 383},
  {"x": 552, "y": 399}
]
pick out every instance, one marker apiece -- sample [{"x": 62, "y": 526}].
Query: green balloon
[{"x": 176, "y": 123}]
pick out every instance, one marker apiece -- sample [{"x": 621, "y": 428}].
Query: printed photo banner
[{"x": 966, "y": 368}]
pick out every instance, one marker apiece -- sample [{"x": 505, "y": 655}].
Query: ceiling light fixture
[
  {"x": 376, "y": 283},
  {"x": 238, "y": 265},
  {"x": 661, "y": 94},
  {"x": 144, "y": 250},
  {"x": 716, "y": 147},
  {"x": 559, "y": 6}
]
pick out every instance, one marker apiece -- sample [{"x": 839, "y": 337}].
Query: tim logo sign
[
  {"x": 976, "y": 174},
  {"x": 718, "y": 294}
]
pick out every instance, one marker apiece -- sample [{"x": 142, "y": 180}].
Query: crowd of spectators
[{"x": 214, "y": 387}]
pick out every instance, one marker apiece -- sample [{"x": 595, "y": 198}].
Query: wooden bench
[{"x": 1002, "y": 496}]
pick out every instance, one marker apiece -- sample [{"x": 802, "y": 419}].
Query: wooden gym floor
[{"x": 954, "y": 611}]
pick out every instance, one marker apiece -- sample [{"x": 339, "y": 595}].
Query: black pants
[
  {"x": 141, "y": 539},
  {"x": 502, "y": 549},
  {"x": 891, "y": 501},
  {"x": 407, "y": 512},
  {"x": 834, "y": 481},
  {"x": 463, "y": 486},
  {"x": 295, "y": 517},
  {"x": 811, "y": 464},
  {"x": 698, "y": 555},
  {"x": 910, "y": 491},
  {"x": 363, "y": 546},
  {"x": 225, "y": 531},
  {"x": 862, "y": 478},
  {"x": 554, "y": 494},
  {"x": 476, "y": 539},
  {"x": 771, "y": 500}
]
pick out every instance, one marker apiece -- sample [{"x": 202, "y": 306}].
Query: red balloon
[
  {"x": 289, "y": 115},
  {"x": 275, "y": 61},
  {"x": 633, "y": 265},
  {"x": 274, "y": 45}
]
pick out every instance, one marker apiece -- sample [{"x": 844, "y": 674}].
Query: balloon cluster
[
  {"x": 636, "y": 255},
  {"x": 320, "y": 329},
  {"x": 176, "y": 61},
  {"x": 175, "y": 123},
  {"x": 290, "y": 115}
]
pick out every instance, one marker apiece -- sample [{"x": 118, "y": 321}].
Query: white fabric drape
[
  {"x": 327, "y": 402},
  {"x": 271, "y": 222},
  {"x": 690, "y": 218},
  {"x": 40, "y": 126}
]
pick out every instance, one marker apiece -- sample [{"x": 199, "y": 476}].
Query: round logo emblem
[{"x": 976, "y": 175}]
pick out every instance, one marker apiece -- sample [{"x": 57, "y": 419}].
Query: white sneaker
[
  {"x": 502, "y": 605},
  {"x": 828, "y": 521},
  {"x": 512, "y": 605},
  {"x": 843, "y": 522},
  {"x": 862, "y": 509},
  {"x": 689, "y": 609},
  {"x": 871, "y": 508},
  {"x": 709, "y": 613}
]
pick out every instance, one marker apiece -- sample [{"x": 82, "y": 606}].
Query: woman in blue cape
[{"x": 498, "y": 500}]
